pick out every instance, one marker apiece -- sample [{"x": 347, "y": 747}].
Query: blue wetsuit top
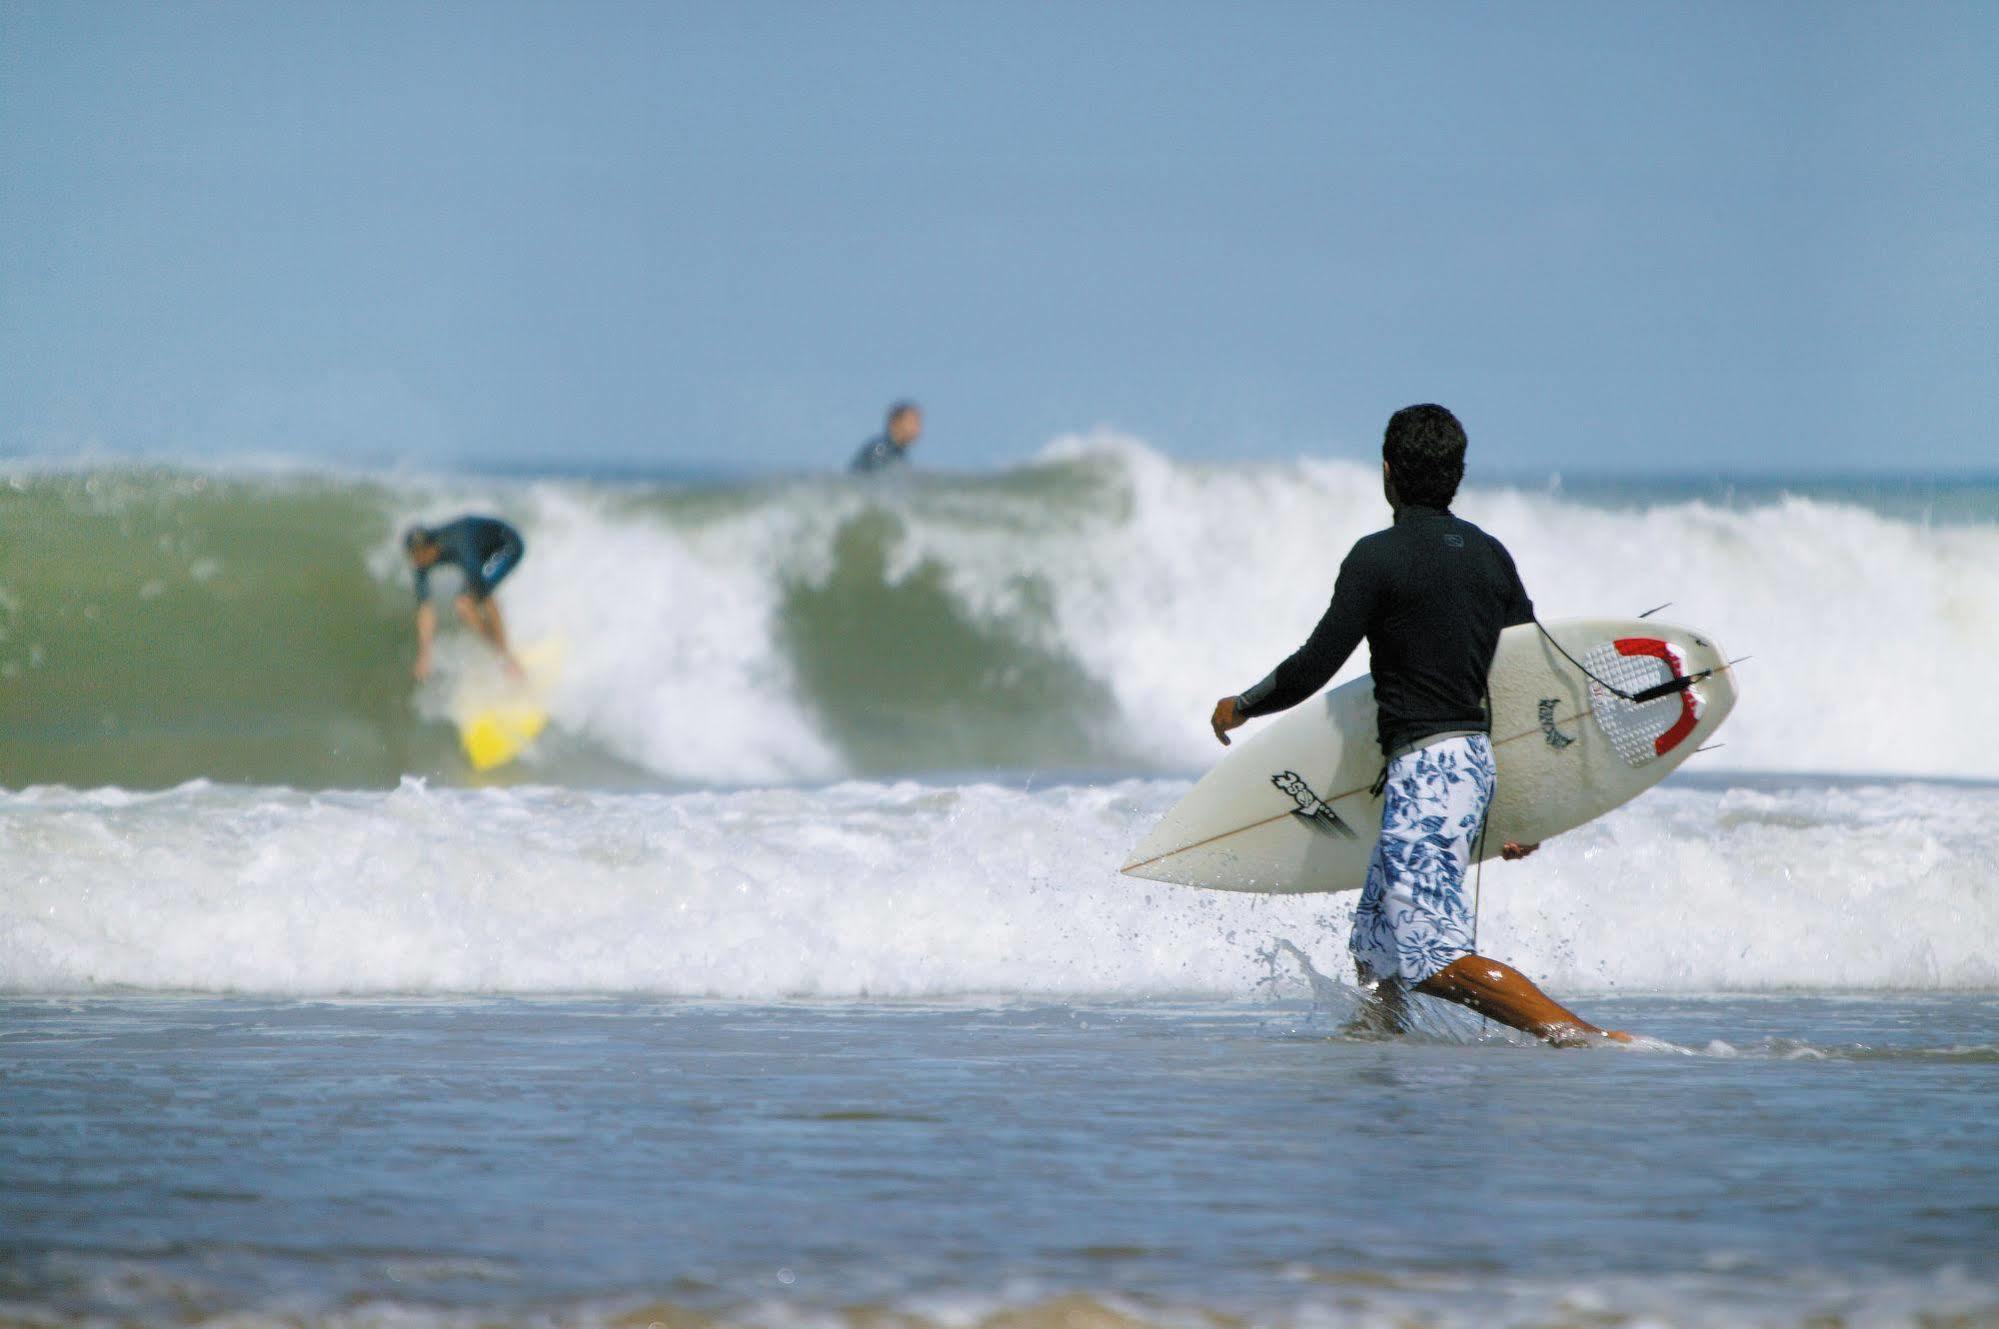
[
  {"x": 485, "y": 549},
  {"x": 879, "y": 454}
]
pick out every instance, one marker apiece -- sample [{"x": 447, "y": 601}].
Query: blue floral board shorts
[{"x": 1414, "y": 915}]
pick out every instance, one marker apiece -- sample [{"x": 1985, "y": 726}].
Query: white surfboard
[{"x": 1290, "y": 809}]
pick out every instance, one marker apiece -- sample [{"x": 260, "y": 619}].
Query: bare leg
[
  {"x": 483, "y": 617},
  {"x": 1506, "y": 994}
]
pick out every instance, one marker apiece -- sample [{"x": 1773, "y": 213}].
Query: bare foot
[
  {"x": 1380, "y": 1014},
  {"x": 1372, "y": 1024}
]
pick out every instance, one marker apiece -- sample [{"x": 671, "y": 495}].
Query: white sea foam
[
  {"x": 907, "y": 890},
  {"x": 1312, "y": 1298},
  {"x": 1169, "y": 584},
  {"x": 677, "y": 659}
]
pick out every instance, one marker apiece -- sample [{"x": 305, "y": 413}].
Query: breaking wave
[
  {"x": 908, "y": 890},
  {"x": 1075, "y": 615}
]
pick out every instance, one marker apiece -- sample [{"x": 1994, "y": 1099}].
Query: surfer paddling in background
[
  {"x": 890, "y": 448},
  {"x": 1431, "y": 595},
  {"x": 484, "y": 550}
]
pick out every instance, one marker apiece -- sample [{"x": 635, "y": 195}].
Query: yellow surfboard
[
  {"x": 495, "y": 737},
  {"x": 500, "y": 717}
]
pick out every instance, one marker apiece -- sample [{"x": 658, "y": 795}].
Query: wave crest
[{"x": 1079, "y": 614}]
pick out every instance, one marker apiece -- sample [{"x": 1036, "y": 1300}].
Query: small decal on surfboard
[
  {"x": 1556, "y": 738},
  {"x": 1310, "y": 809}
]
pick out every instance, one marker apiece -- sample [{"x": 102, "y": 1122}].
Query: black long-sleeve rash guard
[{"x": 1431, "y": 594}]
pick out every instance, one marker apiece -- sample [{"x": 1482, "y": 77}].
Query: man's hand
[
  {"x": 1225, "y": 719},
  {"x": 422, "y": 670},
  {"x": 1513, "y": 851}
]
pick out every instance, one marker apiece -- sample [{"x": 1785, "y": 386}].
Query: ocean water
[
  {"x": 1006, "y": 1162},
  {"x": 791, "y": 982}
]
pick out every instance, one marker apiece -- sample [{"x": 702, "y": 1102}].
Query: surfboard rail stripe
[
  {"x": 1538, "y": 731},
  {"x": 1535, "y": 732}
]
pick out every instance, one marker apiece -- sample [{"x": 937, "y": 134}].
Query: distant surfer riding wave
[{"x": 484, "y": 550}]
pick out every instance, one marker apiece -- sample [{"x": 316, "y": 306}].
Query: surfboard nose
[{"x": 1161, "y": 843}]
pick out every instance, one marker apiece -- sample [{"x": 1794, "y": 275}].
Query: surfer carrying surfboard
[
  {"x": 484, "y": 550},
  {"x": 1430, "y": 594}
]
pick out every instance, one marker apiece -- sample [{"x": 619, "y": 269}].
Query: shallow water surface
[{"x": 607, "y": 1159}]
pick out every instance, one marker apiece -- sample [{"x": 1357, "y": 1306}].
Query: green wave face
[
  {"x": 157, "y": 627},
  {"x": 893, "y": 667}
]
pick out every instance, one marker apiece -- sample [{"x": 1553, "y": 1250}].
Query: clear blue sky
[{"x": 1742, "y": 235}]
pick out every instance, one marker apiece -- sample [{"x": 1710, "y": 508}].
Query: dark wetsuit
[
  {"x": 485, "y": 549},
  {"x": 1431, "y": 594},
  {"x": 879, "y": 454}
]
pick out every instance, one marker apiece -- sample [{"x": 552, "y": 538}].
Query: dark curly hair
[{"x": 1425, "y": 451}]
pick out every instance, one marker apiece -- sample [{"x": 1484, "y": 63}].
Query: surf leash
[{"x": 1478, "y": 856}]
